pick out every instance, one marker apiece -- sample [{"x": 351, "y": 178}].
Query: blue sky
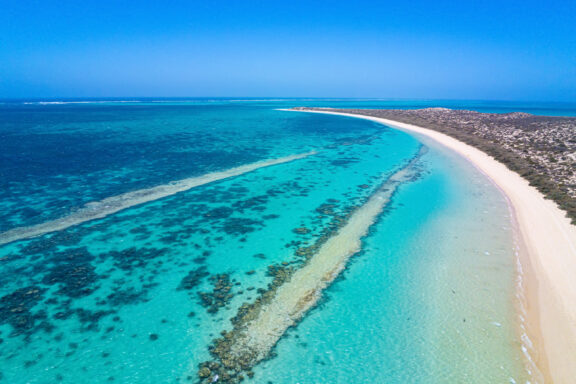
[{"x": 492, "y": 49}]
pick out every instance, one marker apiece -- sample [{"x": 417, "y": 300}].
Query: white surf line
[
  {"x": 302, "y": 291},
  {"x": 110, "y": 205}
]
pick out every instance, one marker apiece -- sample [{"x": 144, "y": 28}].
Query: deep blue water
[{"x": 131, "y": 297}]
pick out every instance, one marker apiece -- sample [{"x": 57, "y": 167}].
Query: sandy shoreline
[{"x": 547, "y": 258}]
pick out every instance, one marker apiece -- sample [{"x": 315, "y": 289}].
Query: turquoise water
[
  {"x": 423, "y": 302},
  {"x": 138, "y": 296}
]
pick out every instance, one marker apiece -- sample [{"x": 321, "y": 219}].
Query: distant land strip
[
  {"x": 110, "y": 205},
  {"x": 541, "y": 149}
]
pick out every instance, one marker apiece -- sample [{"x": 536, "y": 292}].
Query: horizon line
[{"x": 270, "y": 98}]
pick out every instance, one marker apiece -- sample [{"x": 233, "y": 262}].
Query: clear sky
[{"x": 492, "y": 49}]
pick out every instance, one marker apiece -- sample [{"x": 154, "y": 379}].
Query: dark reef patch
[
  {"x": 221, "y": 293},
  {"x": 133, "y": 257},
  {"x": 237, "y": 226},
  {"x": 71, "y": 270},
  {"x": 193, "y": 279},
  {"x": 37, "y": 246},
  {"x": 253, "y": 203},
  {"x": 301, "y": 230},
  {"x": 74, "y": 279},
  {"x": 327, "y": 209},
  {"x": 16, "y": 309},
  {"x": 219, "y": 213},
  {"x": 90, "y": 319},
  {"x": 127, "y": 296},
  {"x": 345, "y": 162}
]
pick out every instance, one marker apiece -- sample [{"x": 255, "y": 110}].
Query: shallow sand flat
[
  {"x": 548, "y": 257},
  {"x": 110, "y": 205}
]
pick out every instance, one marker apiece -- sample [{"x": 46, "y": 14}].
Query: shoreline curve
[{"x": 547, "y": 256}]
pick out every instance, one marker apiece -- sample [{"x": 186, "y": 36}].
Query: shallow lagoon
[{"x": 137, "y": 297}]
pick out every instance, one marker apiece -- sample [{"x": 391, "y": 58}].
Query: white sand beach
[{"x": 547, "y": 258}]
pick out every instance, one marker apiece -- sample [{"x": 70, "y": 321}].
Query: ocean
[{"x": 140, "y": 239}]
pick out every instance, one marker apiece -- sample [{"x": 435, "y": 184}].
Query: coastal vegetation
[{"x": 542, "y": 149}]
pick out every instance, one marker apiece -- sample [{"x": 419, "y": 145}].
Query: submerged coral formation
[{"x": 294, "y": 290}]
